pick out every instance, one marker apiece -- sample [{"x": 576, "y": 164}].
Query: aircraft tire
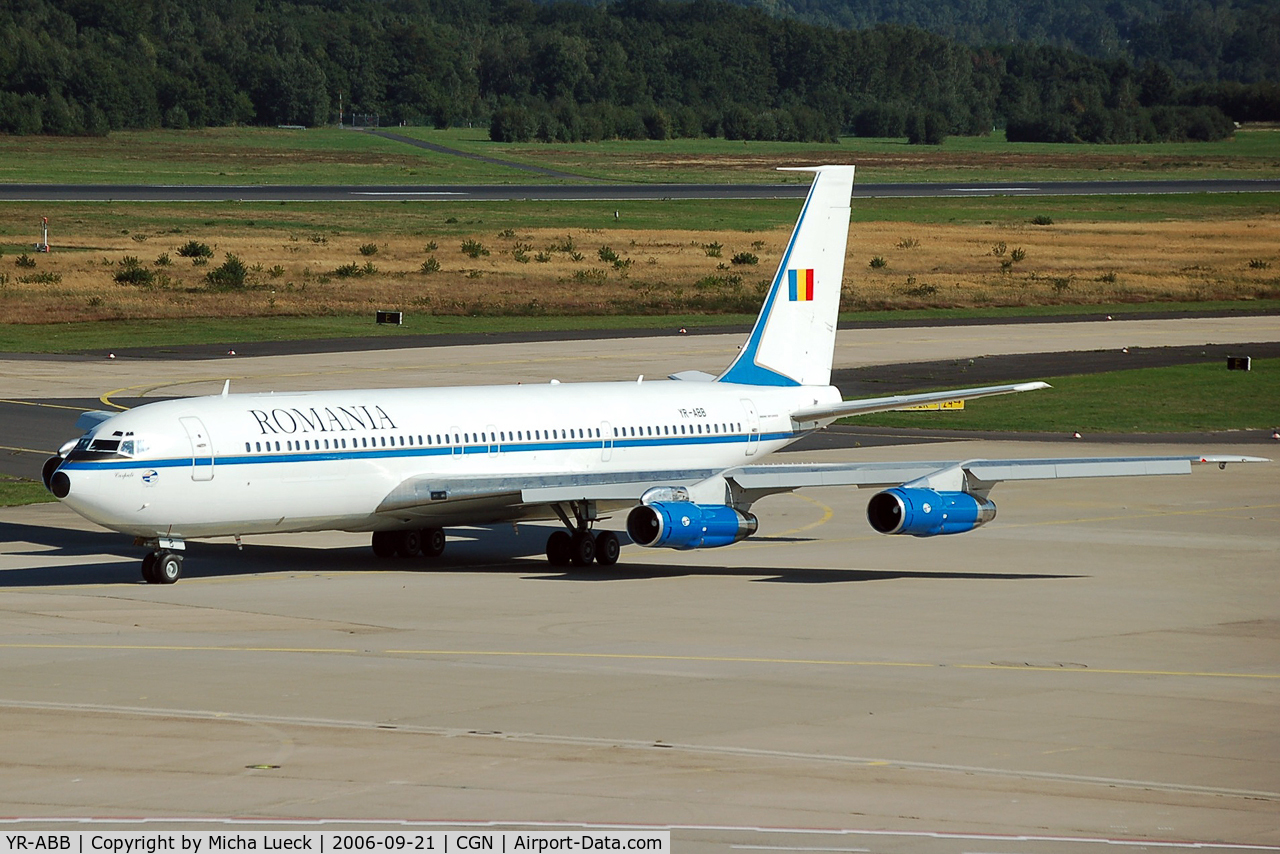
[
  {"x": 607, "y": 548},
  {"x": 168, "y": 567},
  {"x": 409, "y": 543},
  {"x": 432, "y": 542},
  {"x": 384, "y": 544},
  {"x": 149, "y": 569},
  {"x": 558, "y": 546},
  {"x": 582, "y": 549}
]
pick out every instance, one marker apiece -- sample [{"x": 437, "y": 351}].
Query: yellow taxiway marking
[
  {"x": 623, "y": 656},
  {"x": 23, "y": 450},
  {"x": 42, "y": 405}
]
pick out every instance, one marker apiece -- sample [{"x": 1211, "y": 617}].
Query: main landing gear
[
  {"x": 413, "y": 542},
  {"x": 162, "y": 565},
  {"x": 577, "y": 545}
]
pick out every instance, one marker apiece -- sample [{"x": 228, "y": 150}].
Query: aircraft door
[
  {"x": 753, "y": 427},
  {"x": 492, "y": 438},
  {"x": 606, "y": 441},
  {"x": 455, "y": 440},
  {"x": 201, "y": 448}
]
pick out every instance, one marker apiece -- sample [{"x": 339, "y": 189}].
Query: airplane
[{"x": 682, "y": 457}]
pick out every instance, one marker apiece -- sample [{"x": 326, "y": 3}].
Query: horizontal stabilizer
[{"x": 866, "y": 406}]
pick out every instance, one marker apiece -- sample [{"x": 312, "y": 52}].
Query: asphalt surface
[
  {"x": 607, "y": 192},
  {"x": 1096, "y": 669},
  {"x": 1093, "y": 671}
]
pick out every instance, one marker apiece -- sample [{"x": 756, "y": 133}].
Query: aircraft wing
[
  {"x": 529, "y": 496},
  {"x": 977, "y": 475},
  {"x": 868, "y": 405}
]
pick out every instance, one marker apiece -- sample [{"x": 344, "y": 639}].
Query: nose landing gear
[{"x": 162, "y": 565}]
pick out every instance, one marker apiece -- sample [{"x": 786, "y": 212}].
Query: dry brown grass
[{"x": 927, "y": 265}]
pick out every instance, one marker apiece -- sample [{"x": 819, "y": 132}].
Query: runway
[
  {"x": 606, "y": 192},
  {"x": 1097, "y": 667}
]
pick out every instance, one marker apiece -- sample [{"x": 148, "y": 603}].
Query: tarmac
[{"x": 1097, "y": 666}]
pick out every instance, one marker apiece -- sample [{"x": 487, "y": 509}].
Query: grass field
[
  {"x": 335, "y": 156},
  {"x": 660, "y": 258},
  {"x": 221, "y": 156},
  {"x": 1179, "y": 399},
  {"x": 15, "y": 492},
  {"x": 1254, "y": 152}
]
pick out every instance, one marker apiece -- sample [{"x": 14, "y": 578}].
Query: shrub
[
  {"x": 431, "y": 265},
  {"x": 507, "y": 233},
  {"x": 230, "y": 274},
  {"x": 878, "y": 263},
  {"x": 367, "y": 249},
  {"x": 44, "y": 277},
  {"x": 431, "y": 246},
  {"x": 1042, "y": 219},
  {"x": 164, "y": 260},
  {"x": 565, "y": 245},
  {"x": 745, "y": 258},
  {"x": 1258, "y": 264},
  {"x": 473, "y": 248},
  {"x": 542, "y": 257},
  {"x": 1017, "y": 254},
  {"x": 520, "y": 252},
  {"x": 999, "y": 249},
  {"x": 1061, "y": 284},
  {"x": 712, "y": 249},
  {"x": 921, "y": 290},
  {"x": 607, "y": 255},
  {"x": 908, "y": 243},
  {"x": 1108, "y": 278},
  {"x": 25, "y": 261},
  {"x": 132, "y": 272},
  {"x": 592, "y": 275},
  {"x": 195, "y": 249}
]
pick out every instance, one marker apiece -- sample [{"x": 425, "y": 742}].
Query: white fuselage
[{"x": 256, "y": 463}]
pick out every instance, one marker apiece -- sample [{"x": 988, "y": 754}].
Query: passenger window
[{"x": 246, "y": 447}]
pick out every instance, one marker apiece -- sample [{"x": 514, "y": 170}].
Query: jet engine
[
  {"x": 927, "y": 512},
  {"x": 685, "y": 525}
]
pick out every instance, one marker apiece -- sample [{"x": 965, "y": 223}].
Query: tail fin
[{"x": 795, "y": 336}]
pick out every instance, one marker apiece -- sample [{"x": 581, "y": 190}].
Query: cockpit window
[{"x": 108, "y": 445}]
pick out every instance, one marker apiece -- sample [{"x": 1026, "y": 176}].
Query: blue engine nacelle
[
  {"x": 927, "y": 512},
  {"x": 685, "y": 525}
]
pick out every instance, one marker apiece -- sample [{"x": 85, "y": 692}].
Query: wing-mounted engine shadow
[
  {"x": 71, "y": 557},
  {"x": 633, "y": 571}
]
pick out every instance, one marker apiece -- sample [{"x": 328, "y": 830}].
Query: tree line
[
  {"x": 1199, "y": 40},
  {"x": 565, "y": 72}
]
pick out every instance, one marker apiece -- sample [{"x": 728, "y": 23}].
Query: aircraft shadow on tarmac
[{"x": 496, "y": 550}]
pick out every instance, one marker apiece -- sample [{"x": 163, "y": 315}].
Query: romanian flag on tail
[{"x": 801, "y": 285}]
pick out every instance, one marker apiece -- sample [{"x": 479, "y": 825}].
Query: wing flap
[{"x": 439, "y": 491}]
